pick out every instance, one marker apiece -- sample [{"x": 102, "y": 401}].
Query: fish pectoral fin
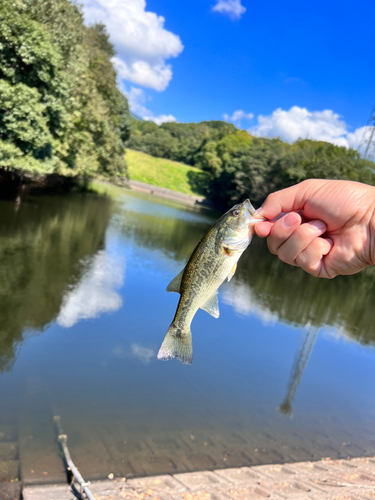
[
  {"x": 175, "y": 284},
  {"x": 227, "y": 251},
  {"x": 233, "y": 270},
  {"x": 212, "y": 306}
]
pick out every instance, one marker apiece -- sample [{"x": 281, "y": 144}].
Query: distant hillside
[
  {"x": 236, "y": 165},
  {"x": 164, "y": 173}
]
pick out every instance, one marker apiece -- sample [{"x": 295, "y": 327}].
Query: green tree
[{"x": 60, "y": 108}]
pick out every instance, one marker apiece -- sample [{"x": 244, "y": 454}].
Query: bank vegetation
[
  {"x": 60, "y": 109},
  {"x": 234, "y": 164}
]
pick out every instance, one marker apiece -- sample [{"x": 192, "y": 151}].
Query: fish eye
[{"x": 236, "y": 212}]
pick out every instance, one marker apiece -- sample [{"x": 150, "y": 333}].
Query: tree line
[
  {"x": 235, "y": 164},
  {"x": 60, "y": 108},
  {"x": 61, "y": 112}
]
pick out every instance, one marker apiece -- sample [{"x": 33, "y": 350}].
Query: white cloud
[
  {"x": 142, "y": 73},
  {"x": 355, "y": 138},
  {"x": 300, "y": 123},
  {"x": 96, "y": 293},
  {"x": 233, "y": 8},
  {"x": 162, "y": 119},
  {"x": 137, "y": 100},
  {"x": 142, "y": 43},
  {"x": 238, "y": 116}
]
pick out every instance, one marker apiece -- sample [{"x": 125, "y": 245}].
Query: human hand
[{"x": 329, "y": 228}]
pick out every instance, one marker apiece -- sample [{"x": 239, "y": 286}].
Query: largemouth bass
[{"x": 213, "y": 260}]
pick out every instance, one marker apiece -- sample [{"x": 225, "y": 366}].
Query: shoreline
[
  {"x": 345, "y": 479},
  {"x": 169, "y": 194},
  {"x": 15, "y": 185}
]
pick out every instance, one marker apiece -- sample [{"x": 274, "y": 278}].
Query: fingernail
[
  {"x": 290, "y": 220},
  {"x": 319, "y": 225}
]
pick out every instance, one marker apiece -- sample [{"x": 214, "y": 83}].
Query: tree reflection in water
[{"x": 45, "y": 246}]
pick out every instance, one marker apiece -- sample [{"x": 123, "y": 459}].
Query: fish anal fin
[
  {"x": 212, "y": 306},
  {"x": 233, "y": 270},
  {"x": 175, "y": 284}
]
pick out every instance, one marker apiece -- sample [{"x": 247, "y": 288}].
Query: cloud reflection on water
[
  {"x": 240, "y": 296},
  {"x": 143, "y": 354},
  {"x": 96, "y": 293}
]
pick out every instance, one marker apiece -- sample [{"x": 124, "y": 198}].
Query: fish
[{"x": 213, "y": 260}]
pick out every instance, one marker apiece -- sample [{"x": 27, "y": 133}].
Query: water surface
[{"x": 285, "y": 374}]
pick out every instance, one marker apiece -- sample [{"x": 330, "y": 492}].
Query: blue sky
[{"x": 290, "y": 69}]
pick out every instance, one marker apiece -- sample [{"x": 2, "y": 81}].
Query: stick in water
[{"x": 63, "y": 438}]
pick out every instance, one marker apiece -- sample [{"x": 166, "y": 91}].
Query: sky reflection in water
[{"x": 285, "y": 344}]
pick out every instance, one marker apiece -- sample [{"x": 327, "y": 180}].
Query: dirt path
[{"x": 168, "y": 193}]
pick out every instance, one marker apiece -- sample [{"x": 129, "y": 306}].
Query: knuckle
[
  {"x": 284, "y": 255},
  {"x": 308, "y": 233},
  {"x": 271, "y": 247},
  {"x": 313, "y": 270},
  {"x": 307, "y": 230},
  {"x": 329, "y": 276},
  {"x": 271, "y": 197},
  {"x": 300, "y": 260},
  {"x": 270, "y": 201},
  {"x": 310, "y": 182},
  {"x": 308, "y": 262}
]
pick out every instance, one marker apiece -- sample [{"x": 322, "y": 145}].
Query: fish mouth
[
  {"x": 249, "y": 207},
  {"x": 253, "y": 217}
]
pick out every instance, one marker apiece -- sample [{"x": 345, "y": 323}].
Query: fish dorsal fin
[
  {"x": 212, "y": 306},
  {"x": 233, "y": 270},
  {"x": 175, "y": 284}
]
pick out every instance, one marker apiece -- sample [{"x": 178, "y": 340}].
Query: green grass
[{"x": 160, "y": 172}]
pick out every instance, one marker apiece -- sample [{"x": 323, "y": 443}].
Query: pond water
[{"x": 285, "y": 374}]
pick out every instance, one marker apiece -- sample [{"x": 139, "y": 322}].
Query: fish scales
[
  {"x": 213, "y": 260},
  {"x": 205, "y": 272}
]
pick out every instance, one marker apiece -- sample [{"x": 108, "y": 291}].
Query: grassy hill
[{"x": 160, "y": 172}]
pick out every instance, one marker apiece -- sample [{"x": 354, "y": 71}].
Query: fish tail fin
[{"x": 177, "y": 344}]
